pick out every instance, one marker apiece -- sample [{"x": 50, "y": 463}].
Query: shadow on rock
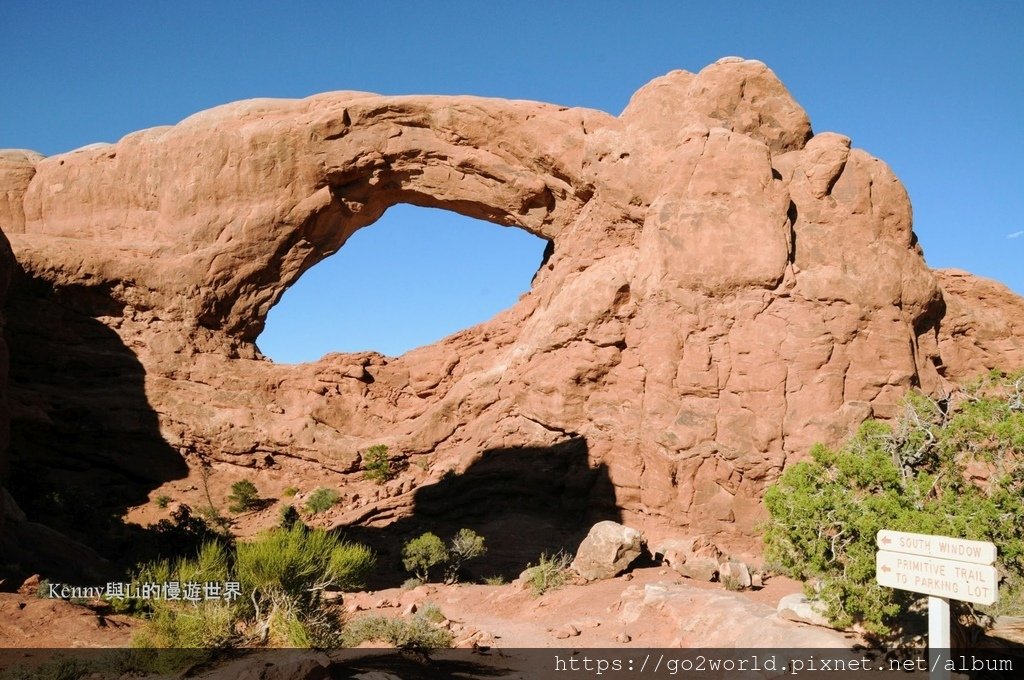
[
  {"x": 85, "y": 442},
  {"x": 524, "y": 501}
]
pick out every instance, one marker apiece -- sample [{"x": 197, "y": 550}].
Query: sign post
[
  {"x": 938, "y": 635},
  {"x": 943, "y": 568}
]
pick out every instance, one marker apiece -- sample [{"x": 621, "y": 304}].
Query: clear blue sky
[{"x": 936, "y": 89}]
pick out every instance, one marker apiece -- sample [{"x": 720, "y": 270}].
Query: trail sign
[
  {"x": 942, "y": 568},
  {"x": 942, "y": 578},
  {"x": 944, "y": 547}
]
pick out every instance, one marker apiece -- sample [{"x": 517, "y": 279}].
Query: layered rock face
[{"x": 724, "y": 288}]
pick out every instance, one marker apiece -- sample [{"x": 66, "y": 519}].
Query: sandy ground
[{"x": 506, "y": 616}]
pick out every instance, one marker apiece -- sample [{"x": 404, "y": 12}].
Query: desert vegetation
[
  {"x": 321, "y": 500},
  {"x": 244, "y": 496},
  {"x": 953, "y": 467},
  {"x": 420, "y": 631},
  {"x": 550, "y": 573},
  {"x": 377, "y": 464},
  {"x": 427, "y": 551},
  {"x": 266, "y": 591}
]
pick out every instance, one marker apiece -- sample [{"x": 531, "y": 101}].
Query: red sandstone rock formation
[
  {"x": 724, "y": 289},
  {"x": 983, "y": 327}
]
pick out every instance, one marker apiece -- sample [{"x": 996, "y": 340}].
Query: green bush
[
  {"x": 418, "y": 632},
  {"x": 377, "y": 464},
  {"x": 550, "y": 573},
  {"x": 288, "y": 517},
  {"x": 422, "y": 553},
  {"x": 322, "y": 499},
  {"x": 244, "y": 496},
  {"x": 290, "y": 491},
  {"x": 300, "y": 563},
  {"x": 913, "y": 476},
  {"x": 431, "y": 612},
  {"x": 465, "y": 546},
  {"x": 282, "y": 575},
  {"x": 203, "y": 626},
  {"x": 162, "y": 501},
  {"x": 214, "y": 520},
  {"x": 426, "y": 551}
]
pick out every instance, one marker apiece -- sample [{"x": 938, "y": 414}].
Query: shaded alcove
[
  {"x": 524, "y": 501},
  {"x": 85, "y": 442},
  {"x": 413, "y": 277}
]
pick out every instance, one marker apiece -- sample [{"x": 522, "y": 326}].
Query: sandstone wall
[{"x": 725, "y": 287}]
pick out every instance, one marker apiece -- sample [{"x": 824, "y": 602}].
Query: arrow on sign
[
  {"x": 886, "y": 569},
  {"x": 886, "y": 540}
]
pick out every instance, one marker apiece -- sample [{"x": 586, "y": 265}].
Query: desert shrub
[
  {"x": 203, "y": 626},
  {"x": 377, "y": 464},
  {"x": 422, "y": 553},
  {"x": 426, "y": 551},
  {"x": 495, "y": 580},
  {"x": 464, "y": 546},
  {"x": 417, "y": 632},
  {"x": 431, "y": 612},
  {"x": 299, "y": 563},
  {"x": 184, "y": 533},
  {"x": 162, "y": 501},
  {"x": 410, "y": 583},
  {"x": 43, "y": 589},
  {"x": 244, "y": 496},
  {"x": 913, "y": 476},
  {"x": 214, "y": 520},
  {"x": 290, "y": 491},
  {"x": 322, "y": 499},
  {"x": 550, "y": 573},
  {"x": 281, "y": 575},
  {"x": 288, "y": 517}
]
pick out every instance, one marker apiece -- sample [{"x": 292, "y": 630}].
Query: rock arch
[{"x": 725, "y": 287}]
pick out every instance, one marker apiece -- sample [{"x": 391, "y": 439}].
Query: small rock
[
  {"x": 798, "y": 608},
  {"x": 623, "y": 638},
  {"x": 566, "y": 631},
  {"x": 734, "y": 574},
  {"x": 30, "y": 586},
  {"x": 410, "y": 610},
  {"x": 628, "y": 576},
  {"x": 695, "y": 557}
]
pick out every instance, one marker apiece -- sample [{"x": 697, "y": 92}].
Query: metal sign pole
[{"x": 938, "y": 637}]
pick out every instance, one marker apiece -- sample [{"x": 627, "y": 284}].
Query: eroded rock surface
[
  {"x": 724, "y": 289},
  {"x": 983, "y": 327}
]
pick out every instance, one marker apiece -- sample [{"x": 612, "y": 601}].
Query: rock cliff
[{"x": 723, "y": 289}]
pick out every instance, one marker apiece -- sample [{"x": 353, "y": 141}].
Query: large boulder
[{"x": 607, "y": 551}]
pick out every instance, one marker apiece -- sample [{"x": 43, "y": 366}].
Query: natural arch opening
[{"x": 413, "y": 277}]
